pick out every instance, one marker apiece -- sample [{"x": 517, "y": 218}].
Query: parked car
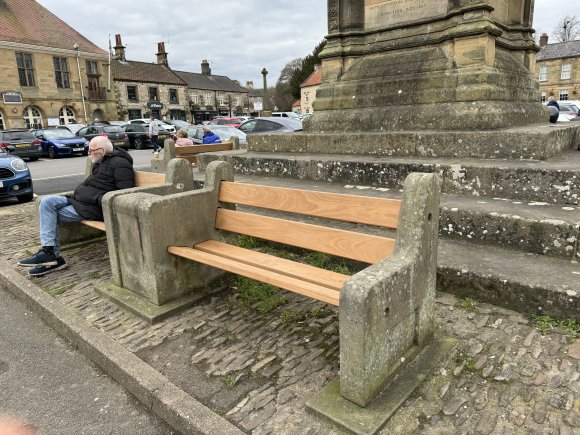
[
  {"x": 568, "y": 109},
  {"x": 223, "y": 131},
  {"x": 73, "y": 128},
  {"x": 231, "y": 122},
  {"x": 271, "y": 125},
  {"x": 118, "y": 123},
  {"x": 291, "y": 115},
  {"x": 60, "y": 142},
  {"x": 15, "y": 179},
  {"x": 177, "y": 123},
  {"x": 21, "y": 143},
  {"x": 115, "y": 134},
  {"x": 160, "y": 124},
  {"x": 139, "y": 137}
]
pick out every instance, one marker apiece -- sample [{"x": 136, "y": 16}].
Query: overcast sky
[{"x": 239, "y": 38}]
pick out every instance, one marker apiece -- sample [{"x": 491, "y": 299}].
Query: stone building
[
  {"x": 148, "y": 89},
  {"x": 212, "y": 95},
  {"x": 49, "y": 73},
  {"x": 558, "y": 69},
  {"x": 308, "y": 90}
]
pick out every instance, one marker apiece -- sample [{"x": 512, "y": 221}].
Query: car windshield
[
  {"x": 19, "y": 135},
  {"x": 112, "y": 129},
  {"x": 61, "y": 133}
]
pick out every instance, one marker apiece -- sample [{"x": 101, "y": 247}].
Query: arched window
[
  {"x": 32, "y": 117},
  {"x": 2, "y": 123},
  {"x": 66, "y": 115}
]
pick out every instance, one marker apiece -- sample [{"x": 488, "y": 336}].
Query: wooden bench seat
[
  {"x": 190, "y": 152},
  {"x": 303, "y": 279}
]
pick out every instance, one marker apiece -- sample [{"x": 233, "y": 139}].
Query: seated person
[
  {"x": 112, "y": 170},
  {"x": 209, "y": 136},
  {"x": 182, "y": 139}
]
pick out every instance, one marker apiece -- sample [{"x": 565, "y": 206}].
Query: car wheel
[
  {"x": 138, "y": 144},
  {"x": 25, "y": 198},
  {"x": 51, "y": 153}
]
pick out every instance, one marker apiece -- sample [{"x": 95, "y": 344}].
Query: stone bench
[
  {"x": 386, "y": 310},
  {"x": 170, "y": 151}
]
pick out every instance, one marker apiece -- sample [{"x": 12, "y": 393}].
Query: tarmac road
[{"x": 46, "y": 383}]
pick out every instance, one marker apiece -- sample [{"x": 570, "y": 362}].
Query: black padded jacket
[{"x": 113, "y": 173}]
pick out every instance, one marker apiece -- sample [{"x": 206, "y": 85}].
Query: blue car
[
  {"x": 15, "y": 179},
  {"x": 60, "y": 142}
]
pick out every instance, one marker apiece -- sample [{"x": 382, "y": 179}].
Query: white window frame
[
  {"x": 2, "y": 123},
  {"x": 543, "y": 97},
  {"x": 566, "y": 71},
  {"x": 207, "y": 99},
  {"x": 32, "y": 117},
  {"x": 66, "y": 115},
  {"x": 563, "y": 95},
  {"x": 543, "y": 73}
]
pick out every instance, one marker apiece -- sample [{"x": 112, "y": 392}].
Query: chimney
[
  {"x": 543, "y": 40},
  {"x": 205, "y": 69},
  {"x": 162, "y": 54},
  {"x": 119, "y": 49},
  {"x": 250, "y": 85}
]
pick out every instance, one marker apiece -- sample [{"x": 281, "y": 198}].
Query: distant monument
[
  {"x": 428, "y": 65},
  {"x": 428, "y": 78}
]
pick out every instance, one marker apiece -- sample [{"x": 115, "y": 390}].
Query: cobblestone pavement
[{"x": 258, "y": 369}]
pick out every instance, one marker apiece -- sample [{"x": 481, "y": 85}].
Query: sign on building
[{"x": 12, "y": 97}]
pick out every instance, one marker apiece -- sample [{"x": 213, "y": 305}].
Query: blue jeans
[
  {"x": 53, "y": 210},
  {"x": 154, "y": 142}
]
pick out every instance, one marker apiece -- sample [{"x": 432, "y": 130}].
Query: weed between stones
[{"x": 546, "y": 323}]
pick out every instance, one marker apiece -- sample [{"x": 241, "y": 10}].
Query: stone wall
[
  {"x": 45, "y": 96},
  {"x": 125, "y": 105},
  {"x": 554, "y": 84}
]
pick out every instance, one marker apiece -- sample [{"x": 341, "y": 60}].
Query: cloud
[{"x": 239, "y": 38}]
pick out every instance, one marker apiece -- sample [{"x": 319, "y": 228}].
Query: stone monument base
[{"x": 535, "y": 142}]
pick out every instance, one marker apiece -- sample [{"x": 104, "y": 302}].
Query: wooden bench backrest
[
  {"x": 190, "y": 152},
  {"x": 348, "y": 208},
  {"x": 148, "y": 178}
]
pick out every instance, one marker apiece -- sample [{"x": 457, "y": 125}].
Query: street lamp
[{"x": 76, "y": 47}]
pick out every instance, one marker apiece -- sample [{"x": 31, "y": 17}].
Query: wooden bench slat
[
  {"x": 348, "y": 244},
  {"x": 198, "y": 149},
  {"x": 350, "y": 208},
  {"x": 305, "y": 272},
  {"x": 301, "y": 287},
  {"x": 95, "y": 224},
  {"x": 148, "y": 178}
]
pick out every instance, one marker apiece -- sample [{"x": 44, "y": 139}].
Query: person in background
[
  {"x": 154, "y": 132},
  {"x": 112, "y": 170},
  {"x": 552, "y": 102},
  {"x": 209, "y": 136},
  {"x": 182, "y": 138}
]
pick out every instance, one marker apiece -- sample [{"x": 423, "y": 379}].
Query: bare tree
[{"x": 567, "y": 29}]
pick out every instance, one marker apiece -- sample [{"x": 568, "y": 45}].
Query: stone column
[{"x": 265, "y": 104}]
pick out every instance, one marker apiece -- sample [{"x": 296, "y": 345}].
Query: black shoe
[
  {"x": 44, "y": 257},
  {"x": 43, "y": 270}
]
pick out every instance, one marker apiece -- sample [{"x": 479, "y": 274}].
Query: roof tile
[
  {"x": 559, "y": 50},
  {"x": 28, "y": 22},
  {"x": 133, "y": 71},
  {"x": 313, "y": 79}
]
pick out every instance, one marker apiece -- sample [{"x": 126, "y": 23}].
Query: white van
[{"x": 287, "y": 115}]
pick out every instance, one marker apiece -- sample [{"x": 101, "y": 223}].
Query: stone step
[
  {"x": 489, "y": 254},
  {"x": 528, "y": 283},
  {"x": 532, "y": 227},
  {"x": 554, "y": 181}
]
